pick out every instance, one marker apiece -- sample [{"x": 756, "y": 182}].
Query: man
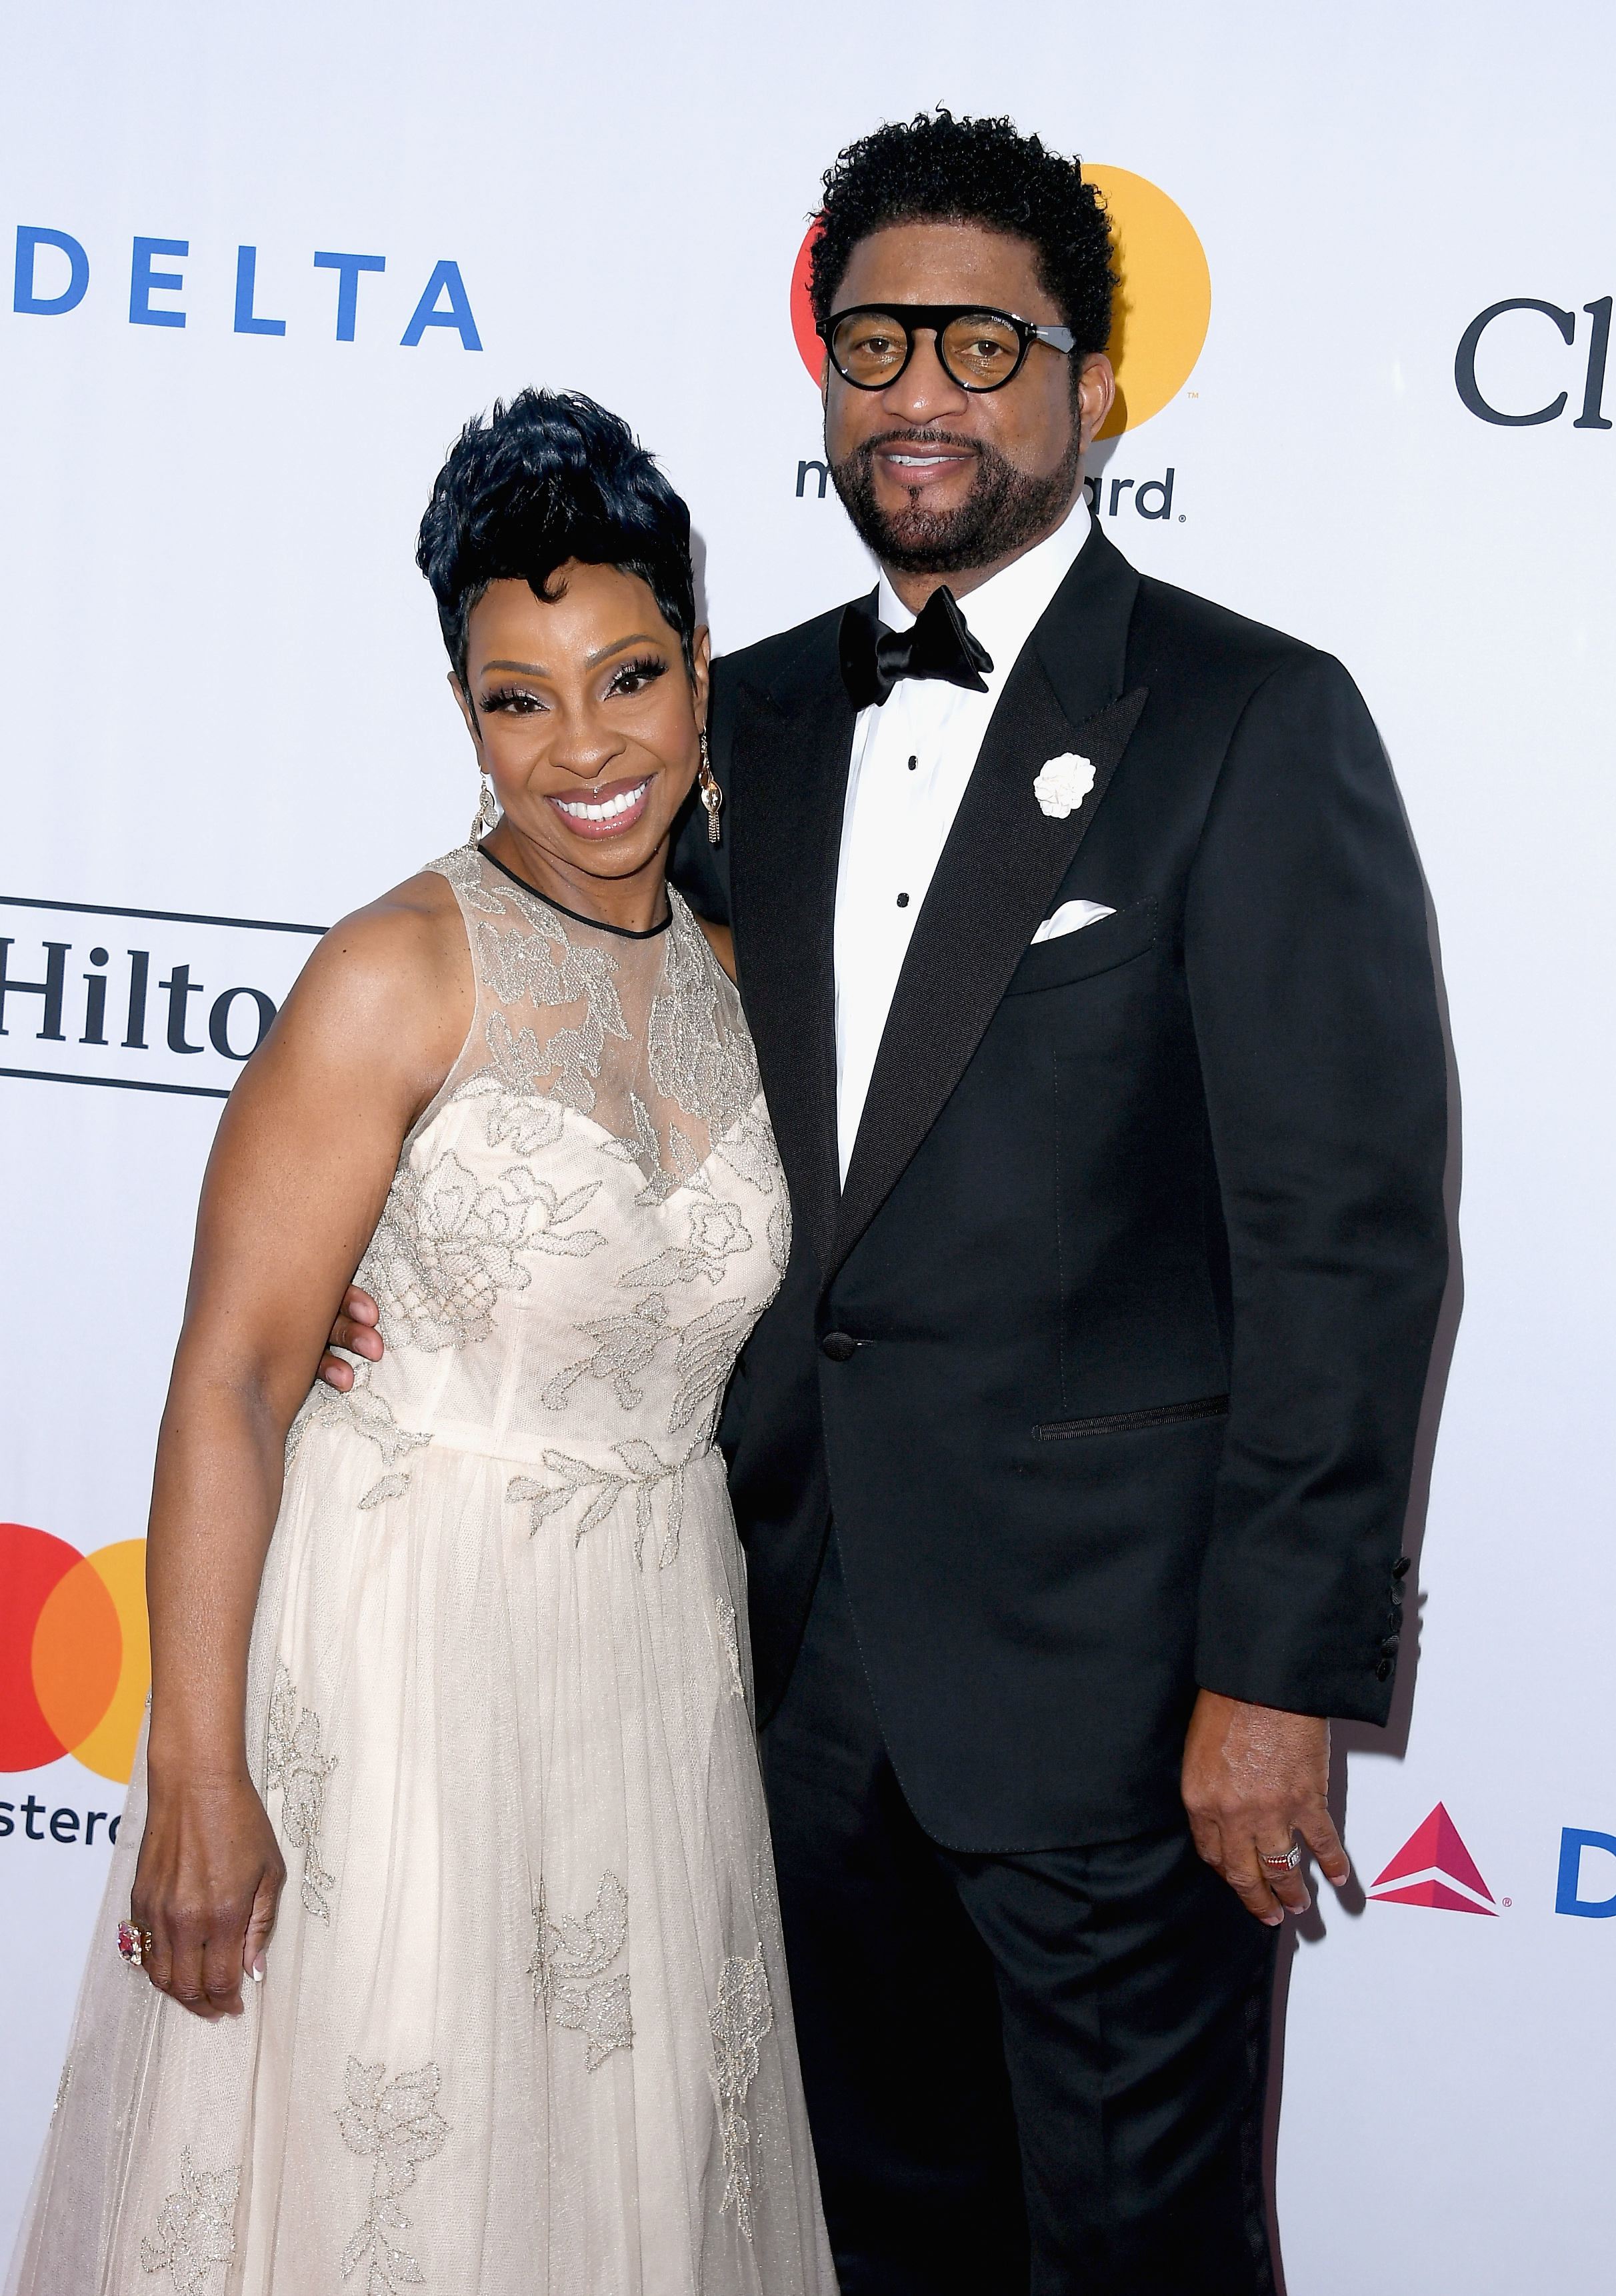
[{"x": 1086, "y": 956}]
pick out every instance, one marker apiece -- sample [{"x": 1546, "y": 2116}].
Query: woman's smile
[{"x": 606, "y": 811}]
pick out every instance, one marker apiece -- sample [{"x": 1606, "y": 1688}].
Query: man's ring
[
  {"x": 1287, "y": 1863},
  {"x": 133, "y": 1943}
]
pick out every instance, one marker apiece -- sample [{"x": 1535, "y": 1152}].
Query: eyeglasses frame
[{"x": 936, "y": 316}]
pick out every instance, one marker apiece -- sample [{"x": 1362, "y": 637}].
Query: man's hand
[
  {"x": 1252, "y": 1776},
  {"x": 355, "y": 1329}
]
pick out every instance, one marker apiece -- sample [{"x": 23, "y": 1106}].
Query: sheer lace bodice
[{"x": 594, "y": 1189}]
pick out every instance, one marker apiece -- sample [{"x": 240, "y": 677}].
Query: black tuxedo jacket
[{"x": 1107, "y": 1361}]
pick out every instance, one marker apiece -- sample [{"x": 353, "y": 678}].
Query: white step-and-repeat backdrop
[{"x": 267, "y": 262}]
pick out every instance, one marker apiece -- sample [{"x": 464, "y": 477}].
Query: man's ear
[
  {"x": 1096, "y": 390},
  {"x": 466, "y": 711}
]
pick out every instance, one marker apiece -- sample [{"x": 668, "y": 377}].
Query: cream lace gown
[{"x": 525, "y": 2025}]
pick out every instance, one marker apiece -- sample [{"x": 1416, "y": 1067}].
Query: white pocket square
[{"x": 1072, "y": 916}]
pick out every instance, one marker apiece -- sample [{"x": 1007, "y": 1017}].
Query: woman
[{"x": 449, "y": 1748}]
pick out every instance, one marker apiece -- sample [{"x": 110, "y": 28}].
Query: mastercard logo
[
  {"x": 75, "y": 1661},
  {"x": 1163, "y": 305}
]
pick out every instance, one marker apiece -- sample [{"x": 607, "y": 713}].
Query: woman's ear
[
  {"x": 466, "y": 711},
  {"x": 701, "y": 673}
]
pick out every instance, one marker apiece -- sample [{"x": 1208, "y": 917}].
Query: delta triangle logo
[{"x": 1434, "y": 1868}]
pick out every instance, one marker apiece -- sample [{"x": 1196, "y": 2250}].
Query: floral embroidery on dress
[
  {"x": 366, "y": 1413},
  {"x": 644, "y": 1150},
  {"x": 390, "y": 1487},
  {"x": 729, "y": 1635},
  {"x": 716, "y": 1232},
  {"x": 463, "y": 869},
  {"x": 569, "y": 1958},
  {"x": 195, "y": 2229},
  {"x": 706, "y": 1357},
  {"x": 709, "y": 1074},
  {"x": 624, "y": 1345},
  {"x": 398, "y": 2127},
  {"x": 749, "y": 1150},
  {"x": 705, "y": 1354},
  {"x": 523, "y": 968},
  {"x": 62, "y": 2087},
  {"x": 740, "y": 2017},
  {"x": 294, "y": 1765},
  {"x": 646, "y": 1474},
  {"x": 447, "y": 1246},
  {"x": 527, "y": 1118}
]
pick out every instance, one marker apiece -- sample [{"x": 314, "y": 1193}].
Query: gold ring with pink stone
[{"x": 133, "y": 1943}]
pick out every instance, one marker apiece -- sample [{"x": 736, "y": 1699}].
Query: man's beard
[{"x": 1005, "y": 511}]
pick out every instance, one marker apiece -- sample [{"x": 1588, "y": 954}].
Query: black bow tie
[{"x": 938, "y": 645}]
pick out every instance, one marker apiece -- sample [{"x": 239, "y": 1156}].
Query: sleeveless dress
[{"x": 524, "y": 2025}]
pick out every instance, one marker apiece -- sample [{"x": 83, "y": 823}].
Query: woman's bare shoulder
[{"x": 398, "y": 971}]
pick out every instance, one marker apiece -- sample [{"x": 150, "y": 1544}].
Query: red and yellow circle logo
[
  {"x": 1163, "y": 306},
  {"x": 75, "y": 1661}
]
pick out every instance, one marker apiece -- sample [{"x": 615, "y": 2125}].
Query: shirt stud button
[
  {"x": 912, "y": 763},
  {"x": 903, "y": 901}
]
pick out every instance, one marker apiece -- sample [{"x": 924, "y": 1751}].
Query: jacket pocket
[
  {"x": 1093, "y": 948},
  {"x": 1125, "y": 1423}
]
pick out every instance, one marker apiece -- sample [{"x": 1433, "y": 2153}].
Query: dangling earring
[
  {"x": 712, "y": 796},
  {"x": 486, "y": 815}
]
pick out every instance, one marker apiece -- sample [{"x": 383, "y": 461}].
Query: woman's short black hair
[
  {"x": 936, "y": 168},
  {"x": 548, "y": 477}
]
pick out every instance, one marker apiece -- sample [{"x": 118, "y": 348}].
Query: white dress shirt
[{"x": 912, "y": 759}]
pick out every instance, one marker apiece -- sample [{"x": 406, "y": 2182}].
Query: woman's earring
[
  {"x": 486, "y": 815},
  {"x": 712, "y": 796}
]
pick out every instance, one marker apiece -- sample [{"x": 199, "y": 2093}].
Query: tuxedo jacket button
[
  {"x": 1400, "y": 1567},
  {"x": 840, "y": 1345},
  {"x": 1383, "y": 1670}
]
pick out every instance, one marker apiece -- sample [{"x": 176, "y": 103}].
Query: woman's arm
[{"x": 299, "y": 1171}]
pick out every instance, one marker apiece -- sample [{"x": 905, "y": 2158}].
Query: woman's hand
[{"x": 209, "y": 1879}]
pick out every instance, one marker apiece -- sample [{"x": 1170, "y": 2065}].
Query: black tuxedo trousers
[
  {"x": 1107, "y": 1359},
  {"x": 1031, "y": 2076}
]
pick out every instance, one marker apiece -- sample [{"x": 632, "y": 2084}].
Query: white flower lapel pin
[{"x": 1063, "y": 785}]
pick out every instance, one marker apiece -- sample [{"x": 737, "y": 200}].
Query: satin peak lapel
[
  {"x": 1003, "y": 859},
  {"x": 790, "y": 772}
]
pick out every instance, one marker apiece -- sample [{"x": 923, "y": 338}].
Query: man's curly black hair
[{"x": 982, "y": 171}]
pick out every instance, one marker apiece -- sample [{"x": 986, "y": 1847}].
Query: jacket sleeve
[{"x": 1311, "y": 986}]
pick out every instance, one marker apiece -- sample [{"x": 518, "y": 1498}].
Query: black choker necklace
[{"x": 623, "y": 932}]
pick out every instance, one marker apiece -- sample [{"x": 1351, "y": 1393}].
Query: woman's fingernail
[{"x": 257, "y": 1972}]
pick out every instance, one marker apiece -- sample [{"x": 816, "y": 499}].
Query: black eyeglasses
[{"x": 870, "y": 344}]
